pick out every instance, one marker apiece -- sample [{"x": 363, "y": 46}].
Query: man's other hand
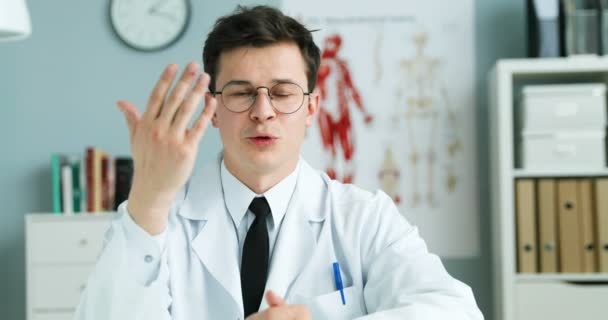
[{"x": 279, "y": 310}]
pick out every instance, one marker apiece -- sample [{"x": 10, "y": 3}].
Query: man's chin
[{"x": 264, "y": 163}]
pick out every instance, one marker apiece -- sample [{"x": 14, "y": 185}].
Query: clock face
[{"x": 149, "y": 25}]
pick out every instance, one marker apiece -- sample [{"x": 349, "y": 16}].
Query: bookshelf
[{"x": 553, "y": 296}]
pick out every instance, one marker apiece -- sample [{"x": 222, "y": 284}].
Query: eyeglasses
[{"x": 285, "y": 97}]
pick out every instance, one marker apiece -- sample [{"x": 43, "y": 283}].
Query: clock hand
[
  {"x": 168, "y": 16},
  {"x": 154, "y": 8},
  {"x": 164, "y": 15}
]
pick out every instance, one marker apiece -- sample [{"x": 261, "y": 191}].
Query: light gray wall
[{"x": 57, "y": 93}]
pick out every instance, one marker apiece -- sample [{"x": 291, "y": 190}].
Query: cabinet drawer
[
  {"x": 64, "y": 241},
  {"x": 56, "y": 289},
  {"x": 52, "y": 316},
  {"x": 558, "y": 300}
]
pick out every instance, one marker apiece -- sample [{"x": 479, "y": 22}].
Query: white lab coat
[{"x": 386, "y": 269}]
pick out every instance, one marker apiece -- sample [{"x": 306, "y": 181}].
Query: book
[
  {"x": 526, "y": 226},
  {"x": 571, "y": 259},
  {"x": 601, "y": 213},
  {"x": 586, "y": 211},
  {"x": 124, "y": 176},
  {"x": 547, "y": 225},
  {"x": 56, "y": 182},
  {"x": 66, "y": 189},
  {"x": 105, "y": 194},
  {"x": 89, "y": 178}
]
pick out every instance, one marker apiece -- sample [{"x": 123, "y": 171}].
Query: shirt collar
[{"x": 238, "y": 196}]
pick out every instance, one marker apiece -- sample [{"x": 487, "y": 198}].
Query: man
[{"x": 257, "y": 233}]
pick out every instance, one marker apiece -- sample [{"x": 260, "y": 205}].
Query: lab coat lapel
[
  {"x": 296, "y": 241},
  {"x": 215, "y": 244}
]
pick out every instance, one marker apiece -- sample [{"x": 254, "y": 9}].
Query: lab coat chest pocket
[{"x": 329, "y": 306}]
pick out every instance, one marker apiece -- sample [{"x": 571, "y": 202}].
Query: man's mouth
[{"x": 263, "y": 140}]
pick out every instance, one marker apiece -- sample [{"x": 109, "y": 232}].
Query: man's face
[{"x": 262, "y": 140}]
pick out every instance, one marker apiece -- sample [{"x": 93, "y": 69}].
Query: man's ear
[{"x": 312, "y": 107}]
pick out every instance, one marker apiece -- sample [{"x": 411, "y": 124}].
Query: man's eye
[
  {"x": 281, "y": 94},
  {"x": 241, "y": 94}
]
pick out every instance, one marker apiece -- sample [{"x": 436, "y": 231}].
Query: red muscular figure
[{"x": 334, "y": 81}]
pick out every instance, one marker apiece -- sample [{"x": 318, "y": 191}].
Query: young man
[{"x": 257, "y": 233}]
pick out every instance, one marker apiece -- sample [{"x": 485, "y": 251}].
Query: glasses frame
[{"x": 268, "y": 89}]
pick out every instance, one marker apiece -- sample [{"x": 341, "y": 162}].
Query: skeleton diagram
[
  {"x": 424, "y": 96},
  {"x": 337, "y": 93},
  {"x": 389, "y": 176}
]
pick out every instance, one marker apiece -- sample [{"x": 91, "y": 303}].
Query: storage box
[
  {"x": 562, "y": 107},
  {"x": 561, "y": 300},
  {"x": 583, "y": 150}
]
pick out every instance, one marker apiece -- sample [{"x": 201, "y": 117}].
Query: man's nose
[{"x": 262, "y": 109}]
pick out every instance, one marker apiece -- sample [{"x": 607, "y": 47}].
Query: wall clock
[{"x": 149, "y": 25}]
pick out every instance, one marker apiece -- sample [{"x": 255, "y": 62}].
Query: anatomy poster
[{"x": 397, "y": 109}]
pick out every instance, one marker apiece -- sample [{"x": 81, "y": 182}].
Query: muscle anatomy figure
[
  {"x": 338, "y": 93},
  {"x": 422, "y": 101}
]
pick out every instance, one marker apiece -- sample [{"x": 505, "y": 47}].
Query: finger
[
  {"x": 191, "y": 103},
  {"x": 273, "y": 299},
  {"x": 198, "y": 129},
  {"x": 255, "y": 316},
  {"x": 176, "y": 97},
  {"x": 300, "y": 312},
  {"x": 132, "y": 114},
  {"x": 157, "y": 97}
]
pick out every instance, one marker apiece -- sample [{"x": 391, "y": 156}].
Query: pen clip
[{"x": 338, "y": 280}]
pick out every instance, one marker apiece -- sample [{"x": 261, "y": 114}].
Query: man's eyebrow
[
  {"x": 243, "y": 82},
  {"x": 237, "y": 81},
  {"x": 283, "y": 80}
]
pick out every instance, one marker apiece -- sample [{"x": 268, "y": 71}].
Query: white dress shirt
[{"x": 238, "y": 197}]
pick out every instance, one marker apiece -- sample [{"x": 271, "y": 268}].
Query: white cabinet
[
  {"x": 538, "y": 295},
  {"x": 60, "y": 253}
]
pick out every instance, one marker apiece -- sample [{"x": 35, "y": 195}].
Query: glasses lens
[
  {"x": 287, "y": 97},
  {"x": 238, "y": 97}
]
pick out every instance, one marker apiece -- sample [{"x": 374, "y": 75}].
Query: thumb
[
  {"x": 273, "y": 299},
  {"x": 131, "y": 113}
]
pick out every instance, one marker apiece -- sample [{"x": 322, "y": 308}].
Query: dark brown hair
[{"x": 258, "y": 27}]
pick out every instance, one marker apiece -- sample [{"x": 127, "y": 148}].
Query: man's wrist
[{"x": 148, "y": 212}]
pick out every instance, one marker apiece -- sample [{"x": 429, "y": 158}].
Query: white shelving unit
[
  {"x": 534, "y": 296},
  {"x": 61, "y": 252}
]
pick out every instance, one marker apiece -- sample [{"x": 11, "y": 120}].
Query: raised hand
[{"x": 164, "y": 148}]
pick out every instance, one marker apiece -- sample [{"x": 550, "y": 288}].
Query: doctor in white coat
[{"x": 195, "y": 246}]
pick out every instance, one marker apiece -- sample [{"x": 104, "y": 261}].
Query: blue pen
[{"x": 338, "y": 279}]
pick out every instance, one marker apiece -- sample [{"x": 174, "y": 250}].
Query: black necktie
[{"x": 254, "y": 263}]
